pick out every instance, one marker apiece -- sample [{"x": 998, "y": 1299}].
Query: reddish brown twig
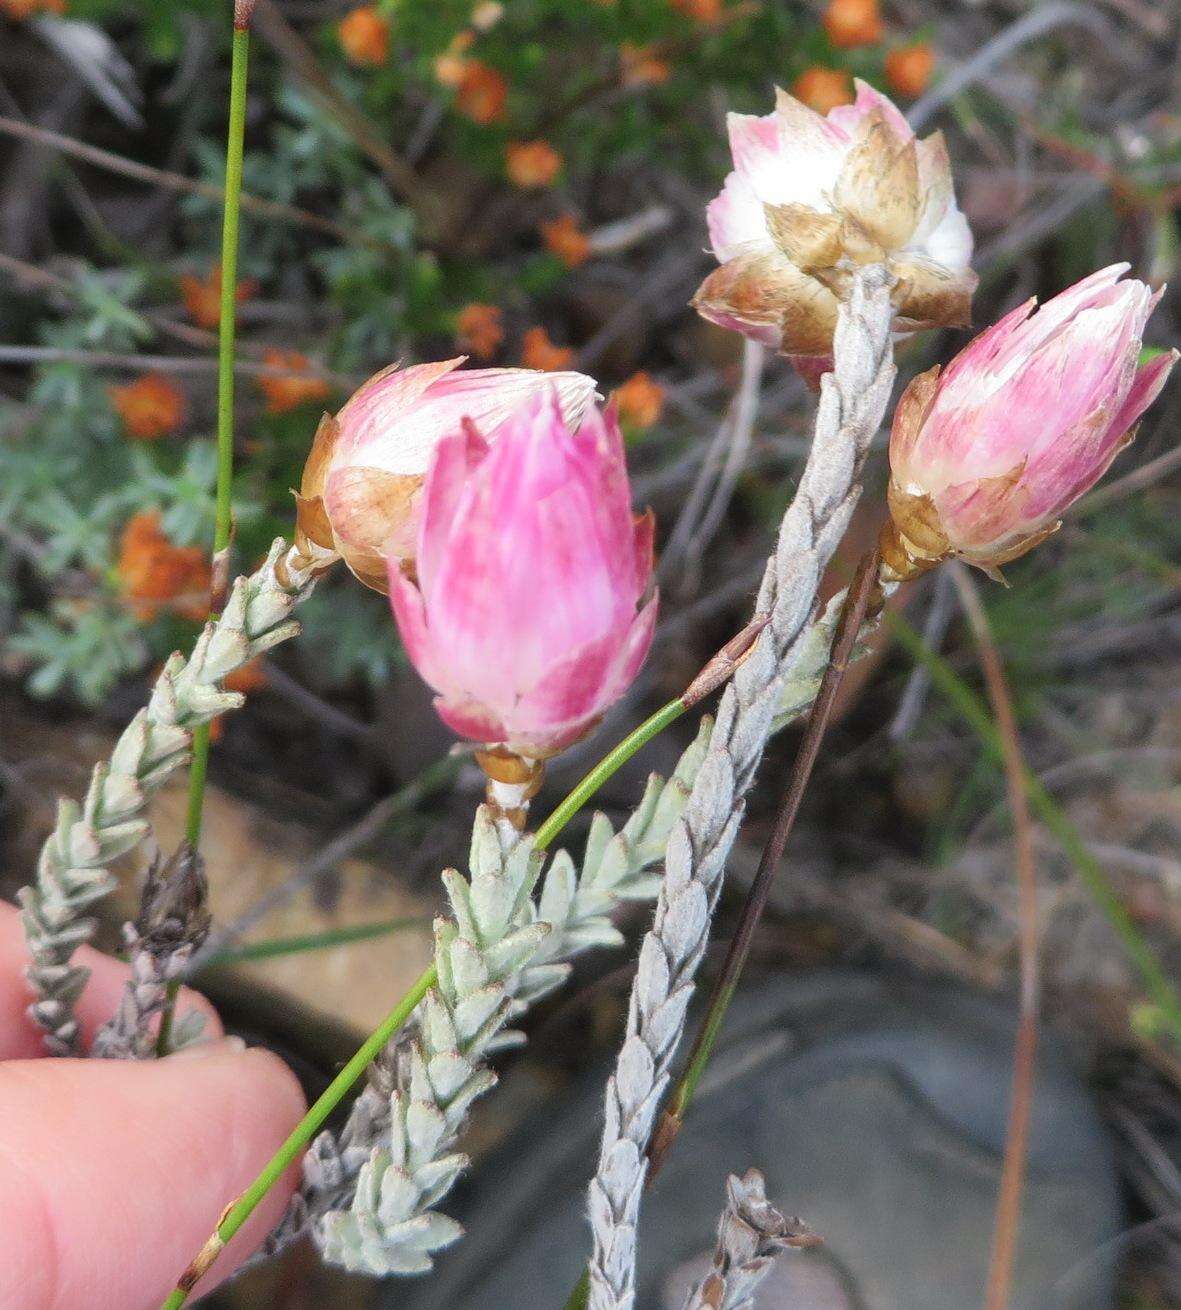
[
  {"x": 863, "y": 591},
  {"x": 1008, "y": 1202}
]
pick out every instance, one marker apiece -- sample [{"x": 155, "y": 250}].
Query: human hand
[{"x": 113, "y": 1173}]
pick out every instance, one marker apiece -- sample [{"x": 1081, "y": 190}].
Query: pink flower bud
[
  {"x": 363, "y": 479},
  {"x": 985, "y": 456},
  {"x": 809, "y": 198},
  {"x": 530, "y": 570}
]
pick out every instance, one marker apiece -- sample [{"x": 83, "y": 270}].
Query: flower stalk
[
  {"x": 223, "y": 511},
  {"x": 863, "y": 595}
]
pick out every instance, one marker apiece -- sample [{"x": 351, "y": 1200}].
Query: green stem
[
  {"x": 581, "y": 1294},
  {"x": 1155, "y": 981},
  {"x": 241, "y": 1210},
  {"x": 608, "y": 765},
  {"x": 223, "y": 513},
  {"x": 312, "y": 941},
  {"x": 303, "y": 1133}
]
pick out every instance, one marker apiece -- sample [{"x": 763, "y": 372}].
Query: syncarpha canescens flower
[
  {"x": 809, "y": 198},
  {"x": 361, "y": 485},
  {"x": 986, "y": 455},
  {"x": 526, "y": 617}
]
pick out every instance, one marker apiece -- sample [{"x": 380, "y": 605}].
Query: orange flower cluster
[
  {"x": 248, "y": 677},
  {"x": 151, "y": 407},
  {"x": 538, "y": 351},
  {"x": 481, "y": 93},
  {"x": 640, "y": 400},
  {"x": 18, "y": 10},
  {"x": 708, "y": 12},
  {"x": 564, "y": 238},
  {"x": 202, "y": 298},
  {"x": 287, "y": 393},
  {"x": 364, "y": 37},
  {"x": 641, "y": 66},
  {"x": 479, "y": 330},
  {"x": 851, "y": 23},
  {"x": 823, "y": 89},
  {"x": 909, "y": 69},
  {"x": 154, "y": 572},
  {"x": 532, "y": 163}
]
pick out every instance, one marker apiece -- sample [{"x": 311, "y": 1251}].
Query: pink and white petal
[
  {"x": 410, "y": 615},
  {"x": 645, "y": 551},
  {"x": 769, "y": 334},
  {"x": 467, "y": 718},
  {"x": 489, "y": 395},
  {"x": 455, "y": 460},
  {"x": 371, "y": 419},
  {"x": 575, "y": 688},
  {"x": 976, "y": 359},
  {"x": 1147, "y": 385},
  {"x": 791, "y": 155},
  {"x": 632, "y": 653},
  {"x": 949, "y": 242},
  {"x": 736, "y": 219},
  {"x": 848, "y": 118}
]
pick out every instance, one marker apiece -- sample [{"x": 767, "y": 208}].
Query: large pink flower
[
  {"x": 363, "y": 480},
  {"x": 808, "y": 198},
  {"x": 985, "y": 456},
  {"x": 531, "y": 567}
]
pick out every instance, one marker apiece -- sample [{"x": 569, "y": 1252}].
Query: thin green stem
[
  {"x": 965, "y": 700},
  {"x": 581, "y": 1294},
  {"x": 303, "y": 1133},
  {"x": 608, "y": 765},
  {"x": 312, "y": 941},
  {"x": 223, "y": 513},
  {"x": 241, "y": 1210}
]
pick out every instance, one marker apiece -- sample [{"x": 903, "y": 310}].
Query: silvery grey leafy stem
[
  {"x": 501, "y": 951},
  {"x": 751, "y": 1233},
  {"x": 73, "y": 871},
  {"x": 853, "y": 401},
  {"x": 173, "y": 922}
]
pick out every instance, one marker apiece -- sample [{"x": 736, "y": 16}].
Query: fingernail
[{"x": 222, "y": 1046}]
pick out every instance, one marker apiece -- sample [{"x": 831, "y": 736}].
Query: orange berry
[
  {"x": 852, "y": 23},
  {"x": 202, "y": 299},
  {"x": 247, "y": 677},
  {"x": 640, "y": 401},
  {"x": 564, "y": 238},
  {"x": 364, "y": 37},
  {"x": 450, "y": 65},
  {"x": 701, "y": 11},
  {"x": 909, "y": 69},
  {"x": 19, "y": 10},
  {"x": 151, "y": 407},
  {"x": 823, "y": 89},
  {"x": 153, "y": 571},
  {"x": 640, "y": 67},
  {"x": 479, "y": 330},
  {"x": 538, "y": 351},
  {"x": 532, "y": 163},
  {"x": 482, "y": 93},
  {"x": 287, "y": 393}
]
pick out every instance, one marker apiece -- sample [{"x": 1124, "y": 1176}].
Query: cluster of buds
[
  {"x": 494, "y": 506},
  {"x": 812, "y": 197},
  {"x": 986, "y": 454},
  {"x": 362, "y": 484}
]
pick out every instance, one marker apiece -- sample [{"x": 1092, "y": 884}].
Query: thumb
[{"x": 113, "y": 1174}]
